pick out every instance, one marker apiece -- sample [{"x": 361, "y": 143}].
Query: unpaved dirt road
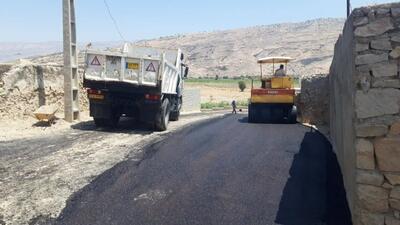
[
  {"x": 224, "y": 171},
  {"x": 41, "y": 167}
]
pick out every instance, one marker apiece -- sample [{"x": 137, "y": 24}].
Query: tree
[{"x": 242, "y": 85}]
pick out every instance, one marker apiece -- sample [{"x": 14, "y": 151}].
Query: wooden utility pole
[
  {"x": 71, "y": 77},
  {"x": 348, "y": 8}
]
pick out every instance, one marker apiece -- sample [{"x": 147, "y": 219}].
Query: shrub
[{"x": 242, "y": 85}]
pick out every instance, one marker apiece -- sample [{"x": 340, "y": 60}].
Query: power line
[{"x": 114, "y": 21}]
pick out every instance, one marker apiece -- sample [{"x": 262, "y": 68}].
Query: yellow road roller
[{"x": 273, "y": 102}]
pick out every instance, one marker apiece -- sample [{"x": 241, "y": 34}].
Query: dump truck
[
  {"x": 145, "y": 83},
  {"x": 273, "y": 102}
]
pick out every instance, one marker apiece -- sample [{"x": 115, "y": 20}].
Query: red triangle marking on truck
[
  {"x": 151, "y": 68},
  {"x": 95, "y": 62}
]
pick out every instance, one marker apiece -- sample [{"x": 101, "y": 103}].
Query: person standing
[{"x": 233, "y": 106}]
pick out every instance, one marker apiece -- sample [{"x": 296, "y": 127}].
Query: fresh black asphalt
[{"x": 224, "y": 171}]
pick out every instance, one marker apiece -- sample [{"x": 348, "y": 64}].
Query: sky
[{"x": 41, "y": 20}]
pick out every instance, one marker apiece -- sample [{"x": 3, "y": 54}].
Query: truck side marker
[
  {"x": 95, "y": 62},
  {"x": 151, "y": 68}
]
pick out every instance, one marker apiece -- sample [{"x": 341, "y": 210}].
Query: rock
[
  {"x": 395, "y": 12},
  {"x": 365, "y": 154},
  {"x": 382, "y": 12},
  {"x": 367, "y": 130},
  {"x": 372, "y": 15},
  {"x": 381, "y": 44},
  {"x": 388, "y": 186},
  {"x": 369, "y": 177},
  {"x": 395, "y": 193},
  {"x": 371, "y": 59},
  {"x": 394, "y": 179},
  {"x": 395, "y": 53},
  {"x": 360, "y": 21},
  {"x": 374, "y": 28},
  {"x": 387, "y": 120},
  {"x": 385, "y": 69},
  {"x": 373, "y": 199},
  {"x": 377, "y": 102},
  {"x": 395, "y": 37},
  {"x": 389, "y": 220},
  {"x": 395, "y": 129},
  {"x": 386, "y": 83},
  {"x": 394, "y": 203},
  {"x": 396, "y": 214},
  {"x": 387, "y": 152},
  {"x": 362, "y": 47},
  {"x": 367, "y": 218}
]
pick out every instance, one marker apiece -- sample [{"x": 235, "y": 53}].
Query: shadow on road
[
  {"x": 125, "y": 125},
  {"x": 314, "y": 193}
]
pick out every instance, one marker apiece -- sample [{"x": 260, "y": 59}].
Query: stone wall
[
  {"x": 313, "y": 101},
  {"x": 364, "y": 113}
]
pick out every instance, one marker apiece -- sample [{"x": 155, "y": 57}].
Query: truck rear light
[
  {"x": 152, "y": 97},
  {"x": 93, "y": 91}
]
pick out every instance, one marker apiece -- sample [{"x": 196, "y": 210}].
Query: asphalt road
[{"x": 224, "y": 171}]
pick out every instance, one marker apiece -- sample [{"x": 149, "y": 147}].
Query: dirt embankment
[{"x": 25, "y": 86}]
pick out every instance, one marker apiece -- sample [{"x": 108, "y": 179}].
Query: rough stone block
[
  {"x": 373, "y": 199},
  {"x": 365, "y": 154},
  {"x": 395, "y": 53},
  {"x": 360, "y": 21},
  {"x": 360, "y": 47},
  {"x": 394, "y": 179},
  {"x": 369, "y": 177},
  {"x": 395, "y": 129},
  {"x": 395, "y": 37},
  {"x": 386, "y": 83},
  {"x": 374, "y": 28},
  {"x": 390, "y": 220},
  {"x": 381, "y": 44},
  {"x": 387, "y": 152},
  {"x": 395, "y": 12},
  {"x": 385, "y": 69},
  {"x": 367, "y": 130},
  {"x": 388, "y": 186},
  {"x": 367, "y": 218},
  {"x": 377, "y": 102},
  {"x": 381, "y": 12},
  {"x": 371, "y": 59},
  {"x": 394, "y": 203},
  {"x": 395, "y": 193}
]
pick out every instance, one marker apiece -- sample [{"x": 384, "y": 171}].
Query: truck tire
[
  {"x": 174, "y": 116},
  {"x": 113, "y": 121},
  {"x": 162, "y": 118},
  {"x": 252, "y": 114},
  {"x": 100, "y": 122},
  {"x": 292, "y": 117}
]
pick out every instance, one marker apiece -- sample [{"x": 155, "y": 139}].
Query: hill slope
[{"x": 234, "y": 52}]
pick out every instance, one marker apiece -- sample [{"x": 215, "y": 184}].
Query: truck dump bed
[{"x": 136, "y": 66}]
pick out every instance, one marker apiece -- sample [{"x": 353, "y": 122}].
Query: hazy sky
[{"x": 40, "y": 20}]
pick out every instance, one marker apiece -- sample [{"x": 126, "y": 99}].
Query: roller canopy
[{"x": 274, "y": 60}]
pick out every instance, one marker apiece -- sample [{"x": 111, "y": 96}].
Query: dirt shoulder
[{"x": 41, "y": 167}]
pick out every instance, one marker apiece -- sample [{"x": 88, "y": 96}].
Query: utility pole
[
  {"x": 71, "y": 77},
  {"x": 348, "y": 8}
]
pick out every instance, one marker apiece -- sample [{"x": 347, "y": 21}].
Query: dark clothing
[{"x": 233, "y": 106}]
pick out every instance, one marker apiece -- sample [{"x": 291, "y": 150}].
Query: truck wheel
[
  {"x": 100, "y": 122},
  {"x": 162, "y": 119},
  {"x": 174, "y": 116},
  {"x": 251, "y": 118},
  {"x": 113, "y": 121},
  {"x": 292, "y": 117}
]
